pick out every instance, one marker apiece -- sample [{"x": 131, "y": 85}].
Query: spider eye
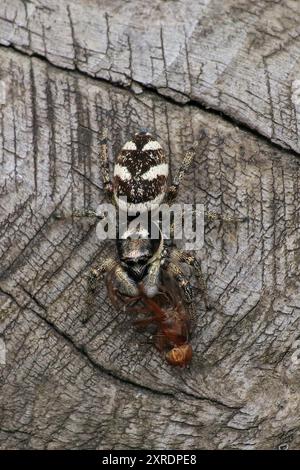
[{"x": 136, "y": 261}]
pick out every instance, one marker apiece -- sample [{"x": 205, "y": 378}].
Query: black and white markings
[{"x": 140, "y": 174}]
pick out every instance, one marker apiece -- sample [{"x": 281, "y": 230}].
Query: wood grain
[{"x": 69, "y": 384}]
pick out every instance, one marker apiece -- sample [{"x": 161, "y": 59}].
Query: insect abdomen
[{"x": 180, "y": 355}]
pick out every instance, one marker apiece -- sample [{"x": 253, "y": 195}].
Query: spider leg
[
  {"x": 208, "y": 216},
  {"x": 120, "y": 287},
  {"x": 76, "y": 213},
  {"x": 174, "y": 270},
  {"x": 177, "y": 255},
  {"x": 125, "y": 284},
  {"x": 92, "y": 283},
  {"x": 151, "y": 281},
  {"x": 96, "y": 272},
  {"x": 185, "y": 165},
  {"x": 224, "y": 218},
  {"x": 104, "y": 165}
]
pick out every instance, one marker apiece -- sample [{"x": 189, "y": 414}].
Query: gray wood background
[{"x": 229, "y": 67}]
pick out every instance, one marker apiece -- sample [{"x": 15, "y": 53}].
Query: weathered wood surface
[
  {"x": 238, "y": 57},
  {"x": 98, "y": 385}
]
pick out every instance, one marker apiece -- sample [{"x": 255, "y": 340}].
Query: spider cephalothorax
[{"x": 135, "y": 252}]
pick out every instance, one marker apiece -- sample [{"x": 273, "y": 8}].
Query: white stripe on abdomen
[
  {"x": 122, "y": 172},
  {"x": 162, "y": 169}
]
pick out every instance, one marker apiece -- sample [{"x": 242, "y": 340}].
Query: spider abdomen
[{"x": 140, "y": 174}]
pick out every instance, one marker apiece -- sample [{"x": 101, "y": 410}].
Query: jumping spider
[
  {"x": 141, "y": 174},
  {"x": 146, "y": 275}
]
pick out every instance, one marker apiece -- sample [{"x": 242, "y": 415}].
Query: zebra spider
[
  {"x": 141, "y": 174},
  {"x": 146, "y": 274}
]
